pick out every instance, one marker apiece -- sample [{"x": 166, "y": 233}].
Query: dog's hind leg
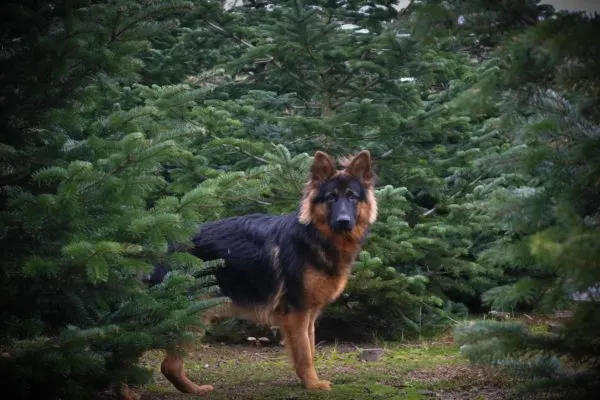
[
  {"x": 296, "y": 332},
  {"x": 172, "y": 369}
]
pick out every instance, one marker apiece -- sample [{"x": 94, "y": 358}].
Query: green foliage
[
  {"x": 140, "y": 119},
  {"x": 535, "y": 360},
  {"x": 103, "y": 349},
  {"x": 380, "y": 302},
  {"x": 549, "y": 212},
  {"x": 88, "y": 206}
]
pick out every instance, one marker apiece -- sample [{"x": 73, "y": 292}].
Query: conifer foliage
[
  {"x": 87, "y": 208},
  {"x": 124, "y": 124},
  {"x": 548, "y": 207}
]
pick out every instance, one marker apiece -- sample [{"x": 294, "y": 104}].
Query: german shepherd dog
[{"x": 283, "y": 270}]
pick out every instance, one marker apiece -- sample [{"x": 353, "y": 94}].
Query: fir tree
[
  {"x": 549, "y": 210},
  {"x": 86, "y": 206},
  {"x": 374, "y": 79},
  {"x": 141, "y": 119}
]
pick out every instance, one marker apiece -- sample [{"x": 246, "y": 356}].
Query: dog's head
[{"x": 341, "y": 199}]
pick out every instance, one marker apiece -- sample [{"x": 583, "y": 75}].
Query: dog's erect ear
[
  {"x": 360, "y": 166},
  {"x": 322, "y": 167}
]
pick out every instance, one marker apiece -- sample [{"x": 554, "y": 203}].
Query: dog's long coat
[{"x": 284, "y": 270}]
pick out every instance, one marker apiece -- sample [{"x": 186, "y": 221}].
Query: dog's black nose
[{"x": 343, "y": 222}]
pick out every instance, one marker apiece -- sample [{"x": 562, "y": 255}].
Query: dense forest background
[{"x": 124, "y": 124}]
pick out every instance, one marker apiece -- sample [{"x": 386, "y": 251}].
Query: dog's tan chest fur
[{"x": 321, "y": 289}]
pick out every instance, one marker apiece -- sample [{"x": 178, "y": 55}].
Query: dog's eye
[
  {"x": 331, "y": 197},
  {"x": 351, "y": 196}
]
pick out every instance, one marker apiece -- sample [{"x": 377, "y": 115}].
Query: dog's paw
[
  {"x": 125, "y": 393},
  {"x": 202, "y": 389},
  {"x": 319, "y": 385}
]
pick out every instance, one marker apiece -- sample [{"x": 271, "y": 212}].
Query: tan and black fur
[{"x": 283, "y": 270}]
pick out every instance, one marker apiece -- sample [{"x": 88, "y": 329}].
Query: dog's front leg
[
  {"x": 296, "y": 328},
  {"x": 311, "y": 338},
  {"x": 314, "y": 314}
]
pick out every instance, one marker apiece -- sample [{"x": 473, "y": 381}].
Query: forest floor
[{"x": 426, "y": 369}]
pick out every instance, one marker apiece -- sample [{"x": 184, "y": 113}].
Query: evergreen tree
[
  {"x": 440, "y": 155},
  {"x": 547, "y": 197},
  {"x": 140, "y": 119},
  {"x": 86, "y": 207},
  {"x": 317, "y": 85},
  {"x": 203, "y": 40}
]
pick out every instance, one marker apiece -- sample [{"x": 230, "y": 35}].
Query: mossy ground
[{"x": 416, "y": 370}]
